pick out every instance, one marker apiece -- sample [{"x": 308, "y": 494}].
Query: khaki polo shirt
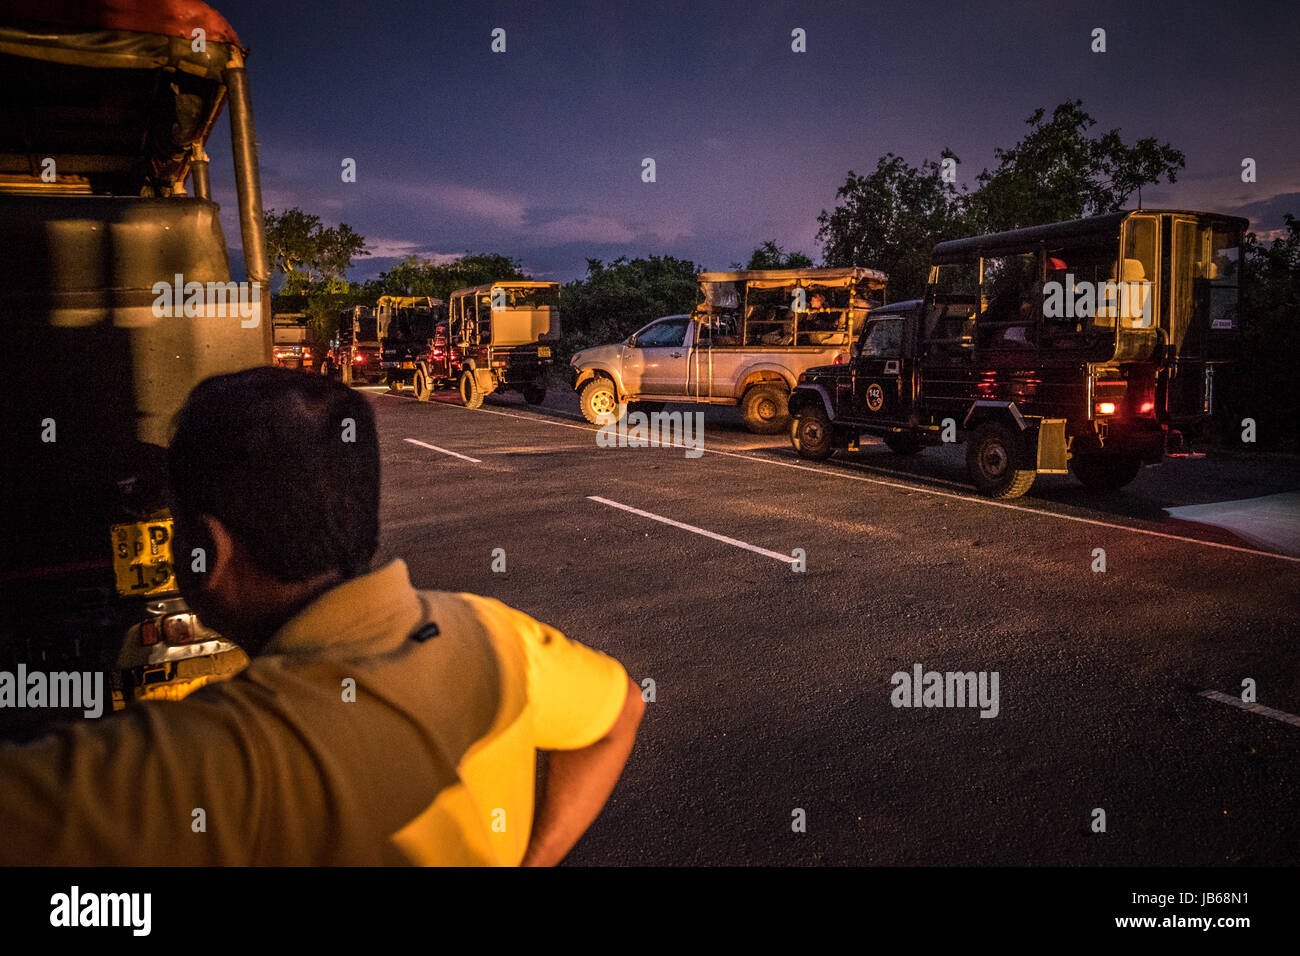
[{"x": 348, "y": 741}]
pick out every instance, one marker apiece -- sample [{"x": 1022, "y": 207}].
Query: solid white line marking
[
  {"x": 443, "y": 450},
  {"x": 920, "y": 489},
  {"x": 690, "y": 527},
  {"x": 1260, "y": 709}
]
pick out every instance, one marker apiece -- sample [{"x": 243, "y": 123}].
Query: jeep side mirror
[{"x": 631, "y": 341}]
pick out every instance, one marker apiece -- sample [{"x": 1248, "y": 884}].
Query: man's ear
[{"x": 222, "y": 554}]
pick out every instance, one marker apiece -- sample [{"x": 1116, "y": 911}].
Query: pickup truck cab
[{"x": 747, "y": 343}]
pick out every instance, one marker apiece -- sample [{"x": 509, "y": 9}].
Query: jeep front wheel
[
  {"x": 811, "y": 435},
  {"x": 994, "y": 461},
  {"x": 765, "y": 409},
  {"x": 599, "y": 401}
]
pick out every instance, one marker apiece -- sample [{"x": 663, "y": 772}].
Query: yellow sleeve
[{"x": 575, "y": 693}]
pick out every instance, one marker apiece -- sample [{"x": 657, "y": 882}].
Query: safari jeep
[
  {"x": 409, "y": 331},
  {"x": 1086, "y": 346},
  {"x": 745, "y": 345},
  {"x": 111, "y": 106},
  {"x": 501, "y": 335}
]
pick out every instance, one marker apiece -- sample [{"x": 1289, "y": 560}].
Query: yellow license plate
[
  {"x": 408, "y": 365},
  {"x": 142, "y": 557},
  {"x": 543, "y": 351}
]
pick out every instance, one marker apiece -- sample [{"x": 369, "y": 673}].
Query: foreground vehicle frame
[{"x": 116, "y": 104}]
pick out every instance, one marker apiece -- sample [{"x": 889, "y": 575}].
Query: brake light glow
[
  {"x": 358, "y": 358},
  {"x": 173, "y": 628},
  {"x": 1147, "y": 408},
  {"x": 1105, "y": 408}
]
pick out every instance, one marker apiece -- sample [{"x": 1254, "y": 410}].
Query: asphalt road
[{"x": 773, "y": 686}]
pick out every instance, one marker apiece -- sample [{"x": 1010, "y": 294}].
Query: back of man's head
[{"x": 288, "y": 463}]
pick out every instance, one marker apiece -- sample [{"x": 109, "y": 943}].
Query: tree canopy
[
  {"x": 306, "y": 252},
  {"x": 1061, "y": 169}
]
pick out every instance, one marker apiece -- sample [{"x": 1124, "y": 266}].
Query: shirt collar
[{"x": 376, "y": 608}]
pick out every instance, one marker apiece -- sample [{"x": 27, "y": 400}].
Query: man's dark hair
[{"x": 264, "y": 452}]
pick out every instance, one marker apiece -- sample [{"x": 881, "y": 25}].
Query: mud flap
[{"x": 1051, "y": 459}]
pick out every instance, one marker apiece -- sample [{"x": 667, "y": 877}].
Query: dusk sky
[{"x": 537, "y": 152}]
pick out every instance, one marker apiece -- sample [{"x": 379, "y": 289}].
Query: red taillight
[
  {"x": 358, "y": 358},
  {"x": 1147, "y": 408},
  {"x": 173, "y": 628},
  {"x": 179, "y": 628},
  {"x": 839, "y": 359},
  {"x": 1105, "y": 408}
]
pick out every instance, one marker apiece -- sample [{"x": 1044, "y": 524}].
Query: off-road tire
[
  {"x": 345, "y": 374},
  {"x": 994, "y": 462},
  {"x": 765, "y": 409},
  {"x": 812, "y": 434},
  {"x": 470, "y": 394},
  {"x": 327, "y": 368},
  {"x": 423, "y": 391},
  {"x": 599, "y": 401},
  {"x": 1105, "y": 472}
]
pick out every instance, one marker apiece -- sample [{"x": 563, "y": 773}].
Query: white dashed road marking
[
  {"x": 921, "y": 489},
  {"x": 1260, "y": 709},
  {"x": 443, "y": 450},
  {"x": 690, "y": 527}
]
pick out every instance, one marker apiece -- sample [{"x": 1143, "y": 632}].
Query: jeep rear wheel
[
  {"x": 1105, "y": 472},
  {"x": 811, "y": 435},
  {"x": 422, "y": 389},
  {"x": 598, "y": 401},
  {"x": 327, "y": 368},
  {"x": 765, "y": 409},
  {"x": 470, "y": 393},
  {"x": 994, "y": 461}
]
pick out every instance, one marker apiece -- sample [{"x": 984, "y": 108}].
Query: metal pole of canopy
[
  {"x": 252, "y": 226},
  {"x": 199, "y": 170}
]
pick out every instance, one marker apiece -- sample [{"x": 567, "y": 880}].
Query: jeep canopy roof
[
  {"x": 85, "y": 89},
  {"x": 505, "y": 284},
  {"x": 408, "y": 302},
  {"x": 840, "y": 278},
  {"x": 1015, "y": 240}
]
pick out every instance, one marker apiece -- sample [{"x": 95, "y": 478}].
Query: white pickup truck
[{"x": 745, "y": 345}]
